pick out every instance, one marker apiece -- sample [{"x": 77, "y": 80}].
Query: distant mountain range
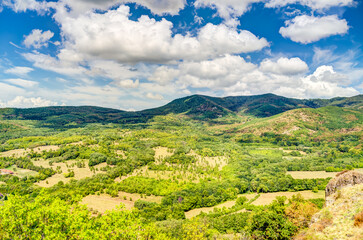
[{"x": 195, "y": 106}]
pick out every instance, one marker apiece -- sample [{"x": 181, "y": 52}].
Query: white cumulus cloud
[
  {"x": 38, "y": 38},
  {"x": 227, "y": 8},
  {"x": 154, "y": 96},
  {"x": 113, "y": 36},
  {"x": 284, "y": 66},
  {"x": 24, "y": 5},
  {"x": 24, "y": 102},
  {"x": 313, "y": 4},
  {"x": 128, "y": 83},
  {"x": 307, "y": 29}
]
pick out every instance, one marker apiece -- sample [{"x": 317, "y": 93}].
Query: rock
[{"x": 343, "y": 179}]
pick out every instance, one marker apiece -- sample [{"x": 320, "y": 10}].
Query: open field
[
  {"x": 267, "y": 198},
  {"x": 228, "y": 204},
  {"x": 65, "y": 167},
  {"x": 21, "y": 172},
  {"x": 24, "y": 152},
  {"x": 316, "y": 174},
  {"x": 264, "y": 199},
  {"x": 104, "y": 202},
  {"x": 162, "y": 152},
  {"x": 311, "y": 174},
  {"x": 212, "y": 162},
  {"x": 192, "y": 174}
]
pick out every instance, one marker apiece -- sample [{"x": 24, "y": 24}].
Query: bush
[{"x": 96, "y": 158}]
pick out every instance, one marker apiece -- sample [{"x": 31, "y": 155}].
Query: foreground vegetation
[{"x": 165, "y": 167}]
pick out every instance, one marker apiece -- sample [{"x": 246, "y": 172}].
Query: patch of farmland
[
  {"x": 104, "y": 202},
  {"x": 13, "y": 153},
  {"x": 195, "y": 212},
  {"x": 162, "y": 152},
  {"x": 21, "y": 172},
  {"x": 267, "y": 198},
  {"x": 264, "y": 199},
  {"x": 210, "y": 162},
  {"x": 65, "y": 167},
  {"x": 179, "y": 172},
  {"x": 311, "y": 174},
  {"x": 24, "y": 152},
  {"x": 290, "y": 151}
]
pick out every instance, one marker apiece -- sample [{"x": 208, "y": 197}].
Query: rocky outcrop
[
  {"x": 343, "y": 179},
  {"x": 340, "y": 220}
]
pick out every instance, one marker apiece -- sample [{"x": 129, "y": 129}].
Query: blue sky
[{"x": 137, "y": 54}]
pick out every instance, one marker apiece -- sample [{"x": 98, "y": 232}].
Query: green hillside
[{"x": 196, "y": 106}]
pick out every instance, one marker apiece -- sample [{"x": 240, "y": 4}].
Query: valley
[{"x": 220, "y": 165}]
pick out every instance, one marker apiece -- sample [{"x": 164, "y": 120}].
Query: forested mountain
[{"x": 197, "y": 106}]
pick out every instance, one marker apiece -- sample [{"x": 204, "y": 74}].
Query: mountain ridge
[{"x": 196, "y": 106}]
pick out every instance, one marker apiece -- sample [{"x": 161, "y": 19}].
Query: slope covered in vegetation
[
  {"x": 170, "y": 165},
  {"x": 196, "y": 106}
]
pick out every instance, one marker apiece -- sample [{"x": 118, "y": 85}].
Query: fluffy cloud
[
  {"x": 313, "y": 4},
  {"x": 307, "y": 29},
  {"x": 227, "y": 8},
  {"x": 284, "y": 66},
  {"x": 24, "y": 5},
  {"x": 154, "y": 96},
  {"x": 327, "y": 74},
  {"x": 164, "y": 75},
  {"x": 113, "y": 36},
  {"x": 214, "y": 74},
  {"x": 323, "y": 83},
  {"x": 159, "y": 7},
  {"x": 23, "y": 102},
  {"x": 21, "y": 82},
  {"x": 19, "y": 71},
  {"x": 232, "y": 75},
  {"x": 38, "y": 38},
  {"x": 128, "y": 83}
]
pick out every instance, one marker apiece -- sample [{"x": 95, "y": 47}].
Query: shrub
[
  {"x": 96, "y": 158},
  {"x": 358, "y": 219}
]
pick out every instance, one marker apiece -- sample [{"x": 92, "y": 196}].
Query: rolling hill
[{"x": 196, "y": 106}]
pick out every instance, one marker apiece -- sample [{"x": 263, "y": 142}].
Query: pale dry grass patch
[
  {"x": 65, "y": 167},
  {"x": 195, "y": 212},
  {"x": 311, "y": 174},
  {"x": 162, "y": 152},
  {"x": 24, "y": 152},
  {"x": 267, "y": 198},
  {"x": 209, "y": 162},
  {"x": 104, "y": 202},
  {"x": 21, "y": 172}
]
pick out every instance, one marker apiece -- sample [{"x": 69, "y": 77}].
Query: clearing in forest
[
  {"x": 102, "y": 203},
  {"x": 264, "y": 199},
  {"x": 24, "y": 152},
  {"x": 65, "y": 167},
  {"x": 195, "y": 212},
  {"x": 219, "y": 161},
  {"x": 316, "y": 174},
  {"x": 267, "y": 198},
  {"x": 21, "y": 172},
  {"x": 162, "y": 152}
]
